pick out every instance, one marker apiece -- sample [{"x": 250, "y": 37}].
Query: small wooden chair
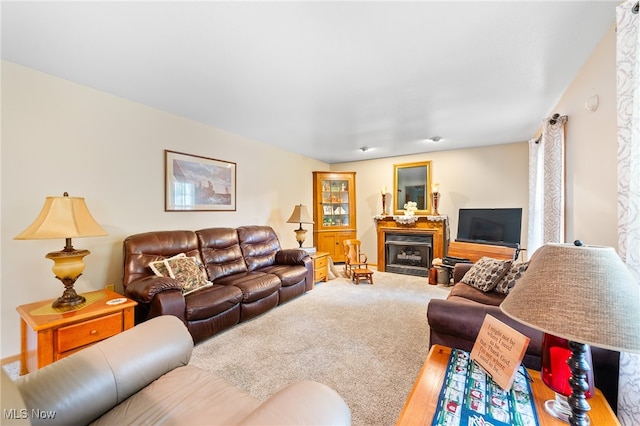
[
  {"x": 358, "y": 274},
  {"x": 353, "y": 257}
]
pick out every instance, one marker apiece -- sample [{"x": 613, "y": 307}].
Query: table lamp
[
  {"x": 555, "y": 373},
  {"x": 584, "y": 294},
  {"x": 64, "y": 217},
  {"x": 300, "y": 215}
]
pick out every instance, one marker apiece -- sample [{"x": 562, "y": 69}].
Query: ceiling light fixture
[
  {"x": 364, "y": 148},
  {"x": 434, "y": 139}
]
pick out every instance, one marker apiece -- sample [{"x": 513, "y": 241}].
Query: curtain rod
[{"x": 553, "y": 120}]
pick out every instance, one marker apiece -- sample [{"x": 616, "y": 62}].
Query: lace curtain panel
[
  {"x": 628, "y": 95},
  {"x": 547, "y": 185}
]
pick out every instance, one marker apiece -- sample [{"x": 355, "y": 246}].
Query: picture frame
[{"x": 196, "y": 183}]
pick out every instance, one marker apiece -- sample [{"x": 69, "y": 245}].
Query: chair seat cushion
[{"x": 211, "y": 301}]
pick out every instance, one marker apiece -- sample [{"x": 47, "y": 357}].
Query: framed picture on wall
[{"x": 195, "y": 183}]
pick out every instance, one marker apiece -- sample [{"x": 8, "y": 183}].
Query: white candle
[
  {"x": 383, "y": 190},
  {"x": 435, "y": 187}
]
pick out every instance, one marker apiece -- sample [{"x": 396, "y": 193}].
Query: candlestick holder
[
  {"x": 436, "y": 200},
  {"x": 384, "y": 205}
]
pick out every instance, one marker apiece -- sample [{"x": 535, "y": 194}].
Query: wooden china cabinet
[{"x": 334, "y": 211}]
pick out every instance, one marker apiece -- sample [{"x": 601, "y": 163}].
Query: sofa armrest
[
  {"x": 144, "y": 289},
  {"x": 291, "y": 256},
  {"x": 456, "y": 324},
  {"x": 459, "y": 269},
  {"x": 83, "y": 386},
  {"x": 299, "y": 403}
]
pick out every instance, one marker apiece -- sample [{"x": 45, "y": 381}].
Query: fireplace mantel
[{"x": 437, "y": 226}]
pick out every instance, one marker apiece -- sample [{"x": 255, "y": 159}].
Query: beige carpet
[{"x": 366, "y": 341}]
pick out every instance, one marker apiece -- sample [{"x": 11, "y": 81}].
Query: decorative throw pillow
[
  {"x": 187, "y": 271},
  {"x": 485, "y": 273},
  {"x": 511, "y": 277},
  {"x": 160, "y": 269}
]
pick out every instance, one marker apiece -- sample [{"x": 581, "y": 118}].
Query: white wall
[
  {"x": 58, "y": 136},
  {"x": 487, "y": 177},
  {"x": 591, "y": 142}
]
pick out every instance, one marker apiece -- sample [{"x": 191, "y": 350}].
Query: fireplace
[
  {"x": 409, "y": 254},
  {"x": 423, "y": 240}
]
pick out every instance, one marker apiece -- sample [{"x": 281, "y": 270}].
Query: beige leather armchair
[{"x": 141, "y": 376}]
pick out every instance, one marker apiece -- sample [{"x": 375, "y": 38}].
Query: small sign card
[{"x": 499, "y": 350}]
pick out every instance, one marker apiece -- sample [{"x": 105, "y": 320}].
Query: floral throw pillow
[
  {"x": 187, "y": 271},
  {"x": 485, "y": 273},
  {"x": 511, "y": 277},
  {"x": 160, "y": 269}
]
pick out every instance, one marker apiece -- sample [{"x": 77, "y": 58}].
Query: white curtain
[
  {"x": 547, "y": 185},
  {"x": 628, "y": 78}
]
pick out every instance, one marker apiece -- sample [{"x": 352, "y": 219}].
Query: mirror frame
[{"x": 398, "y": 206}]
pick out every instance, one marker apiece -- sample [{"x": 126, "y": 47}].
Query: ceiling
[{"x": 323, "y": 79}]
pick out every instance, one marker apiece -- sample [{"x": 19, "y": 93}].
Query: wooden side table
[
  {"x": 49, "y": 334},
  {"x": 320, "y": 266},
  {"x": 421, "y": 404}
]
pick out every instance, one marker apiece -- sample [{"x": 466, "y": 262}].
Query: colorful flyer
[{"x": 469, "y": 397}]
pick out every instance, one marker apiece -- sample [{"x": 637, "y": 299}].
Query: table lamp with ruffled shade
[{"x": 65, "y": 217}]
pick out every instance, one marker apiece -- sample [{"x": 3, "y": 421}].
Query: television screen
[{"x": 490, "y": 226}]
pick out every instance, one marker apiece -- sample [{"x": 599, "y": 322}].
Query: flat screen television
[{"x": 490, "y": 226}]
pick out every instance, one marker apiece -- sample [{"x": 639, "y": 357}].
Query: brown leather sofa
[
  {"x": 456, "y": 321},
  {"x": 249, "y": 270}
]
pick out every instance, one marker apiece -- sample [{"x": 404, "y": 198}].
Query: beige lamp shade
[
  {"x": 63, "y": 217},
  {"x": 300, "y": 215},
  {"x": 583, "y": 294}
]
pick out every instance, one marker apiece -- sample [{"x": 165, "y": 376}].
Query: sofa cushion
[
  {"x": 254, "y": 285},
  {"x": 221, "y": 252},
  {"x": 211, "y": 301},
  {"x": 186, "y": 395},
  {"x": 288, "y": 274},
  {"x": 511, "y": 277},
  {"x": 189, "y": 272},
  {"x": 259, "y": 245},
  {"x": 486, "y": 272},
  {"x": 463, "y": 292}
]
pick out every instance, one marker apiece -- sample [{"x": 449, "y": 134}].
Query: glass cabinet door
[
  {"x": 335, "y": 203},
  {"x": 334, "y": 211}
]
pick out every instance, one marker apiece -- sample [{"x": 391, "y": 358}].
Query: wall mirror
[{"x": 412, "y": 182}]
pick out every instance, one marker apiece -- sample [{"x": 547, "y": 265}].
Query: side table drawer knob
[{"x": 93, "y": 332}]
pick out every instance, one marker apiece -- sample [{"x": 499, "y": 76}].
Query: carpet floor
[{"x": 366, "y": 341}]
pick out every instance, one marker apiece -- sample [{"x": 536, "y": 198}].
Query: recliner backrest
[
  {"x": 221, "y": 252},
  {"x": 141, "y": 249},
  {"x": 259, "y": 245}
]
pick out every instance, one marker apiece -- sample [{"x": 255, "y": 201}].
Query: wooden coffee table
[{"x": 421, "y": 404}]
